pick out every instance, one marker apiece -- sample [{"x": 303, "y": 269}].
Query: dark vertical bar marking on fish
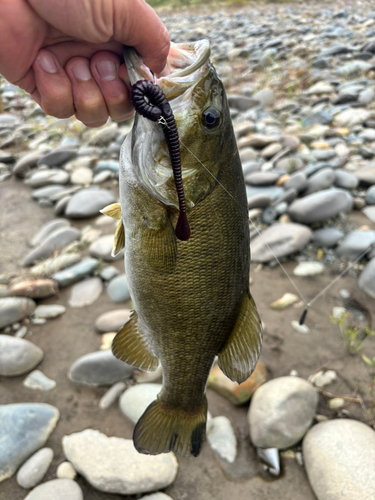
[{"x": 159, "y": 107}]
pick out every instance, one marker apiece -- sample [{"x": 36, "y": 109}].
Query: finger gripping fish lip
[{"x": 159, "y": 110}]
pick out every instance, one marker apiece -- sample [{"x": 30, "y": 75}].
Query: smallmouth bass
[{"x": 191, "y": 298}]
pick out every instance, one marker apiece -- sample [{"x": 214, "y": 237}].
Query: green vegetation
[{"x": 353, "y": 337}]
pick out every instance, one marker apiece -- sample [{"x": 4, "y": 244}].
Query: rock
[
  {"x": 318, "y": 118},
  {"x": 258, "y": 201},
  {"x": 351, "y": 117},
  {"x": 49, "y": 311},
  {"x": 13, "y": 309},
  {"x": 111, "y": 395},
  {"x": 222, "y": 439},
  {"x": 370, "y": 196},
  {"x": 58, "y": 156},
  {"x": 18, "y": 356},
  {"x": 240, "y": 102},
  {"x": 86, "y": 292},
  {"x": 355, "y": 243},
  {"x": 66, "y": 471},
  {"x": 42, "y": 178},
  {"x": 124, "y": 470},
  {"x": 35, "y": 468},
  {"x": 35, "y": 289},
  {"x": 366, "y": 96},
  {"x": 345, "y": 179},
  {"x": 88, "y": 202},
  {"x": 104, "y": 135},
  {"x": 284, "y": 302},
  {"x": 76, "y": 273},
  {"x": 107, "y": 165},
  {"x": 308, "y": 269},
  {"x": 320, "y": 206},
  {"x": 99, "y": 368},
  {"x": 102, "y": 177},
  {"x": 82, "y": 175},
  {"x": 107, "y": 339},
  {"x": 366, "y": 174},
  {"x": 260, "y": 141},
  {"x": 102, "y": 248},
  {"x": 109, "y": 272},
  {"x": 112, "y": 321},
  {"x": 24, "y": 428},
  {"x": 237, "y": 394},
  {"x": 322, "y": 379},
  {"x": 354, "y": 68},
  {"x": 47, "y": 192},
  {"x": 118, "y": 289},
  {"x": 281, "y": 412},
  {"x": 304, "y": 329},
  {"x": 49, "y": 228},
  {"x": 157, "y": 496},
  {"x": 53, "y": 242},
  {"x": 37, "y": 380},
  {"x": 370, "y": 213},
  {"x": 271, "y": 150},
  {"x": 338, "y": 457},
  {"x": 265, "y": 97},
  {"x": 283, "y": 239},
  {"x": 336, "y": 403},
  {"x": 320, "y": 180},
  {"x": 297, "y": 181},
  {"x": 290, "y": 164},
  {"x": 57, "y": 489},
  {"x": 327, "y": 236},
  {"x": 54, "y": 264},
  {"x": 262, "y": 178},
  {"x": 366, "y": 281},
  {"x": 26, "y": 162},
  {"x": 135, "y": 400},
  {"x": 320, "y": 88}
]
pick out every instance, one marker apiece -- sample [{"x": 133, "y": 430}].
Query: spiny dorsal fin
[
  {"x": 129, "y": 346},
  {"x": 113, "y": 210},
  {"x": 240, "y": 354},
  {"x": 119, "y": 239}
]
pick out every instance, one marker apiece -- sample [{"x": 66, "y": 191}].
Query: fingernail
[
  {"x": 47, "y": 63},
  {"x": 107, "y": 70},
  {"x": 81, "y": 72}
]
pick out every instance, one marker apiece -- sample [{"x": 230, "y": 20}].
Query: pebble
[
  {"x": 322, "y": 379},
  {"x": 66, "y": 471},
  {"x": 24, "y": 429},
  {"x": 366, "y": 281},
  {"x": 55, "y": 241},
  {"x": 99, "y": 368},
  {"x": 49, "y": 311},
  {"x": 320, "y": 206},
  {"x": 339, "y": 457},
  {"x": 86, "y": 292},
  {"x": 58, "y": 156},
  {"x": 57, "y": 489},
  {"x": 43, "y": 178},
  {"x": 281, "y": 411},
  {"x": 355, "y": 243},
  {"x": 26, "y": 162},
  {"x": 370, "y": 196},
  {"x": 88, "y": 202},
  {"x": 345, "y": 180},
  {"x": 35, "y": 468},
  {"x": 102, "y": 248},
  {"x": 124, "y": 471},
  {"x": 222, "y": 439},
  {"x": 157, "y": 496},
  {"x": 14, "y": 309},
  {"x": 370, "y": 213},
  {"x": 366, "y": 174},
  {"x": 285, "y": 301},
  {"x": 308, "y": 269},
  {"x": 336, "y": 403},
  {"x": 304, "y": 329},
  {"x": 48, "y": 229},
  {"x": 118, "y": 289},
  {"x": 111, "y": 395},
  {"x": 109, "y": 272},
  {"x": 112, "y": 321},
  {"x": 37, "y": 380},
  {"x": 321, "y": 180},
  {"x": 36, "y": 289},
  {"x": 18, "y": 356},
  {"x": 54, "y": 264},
  {"x": 75, "y": 273},
  {"x": 136, "y": 399},
  {"x": 82, "y": 175},
  {"x": 327, "y": 237}
]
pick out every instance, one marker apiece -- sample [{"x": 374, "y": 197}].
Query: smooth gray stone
[
  {"x": 55, "y": 264},
  {"x": 327, "y": 237},
  {"x": 82, "y": 175},
  {"x": 366, "y": 96},
  {"x": 104, "y": 165},
  {"x": 61, "y": 205},
  {"x": 75, "y": 273},
  {"x": 99, "y": 368},
  {"x": 35, "y": 468},
  {"x": 24, "y": 428},
  {"x": 370, "y": 213},
  {"x": 102, "y": 248},
  {"x": 355, "y": 243},
  {"x": 118, "y": 289},
  {"x": 47, "y": 191},
  {"x": 58, "y": 239},
  {"x": 109, "y": 272},
  {"x": 346, "y": 180},
  {"x": 368, "y": 134},
  {"x": 88, "y": 202},
  {"x": 124, "y": 470},
  {"x": 258, "y": 201},
  {"x": 287, "y": 197},
  {"x": 262, "y": 178},
  {"x": 283, "y": 239},
  {"x": 290, "y": 164},
  {"x": 339, "y": 457},
  {"x": 266, "y": 97},
  {"x": 112, "y": 321},
  {"x": 57, "y": 489},
  {"x": 354, "y": 68},
  {"x": 320, "y": 206},
  {"x": 47, "y": 177},
  {"x": 102, "y": 176},
  {"x": 281, "y": 411},
  {"x": 222, "y": 439},
  {"x": 370, "y": 196},
  {"x": 111, "y": 395},
  {"x": 13, "y": 309},
  {"x": 38, "y": 381},
  {"x": 26, "y": 162},
  {"x": 49, "y": 311},
  {"x": 135, "y": 400},
  {"x": 104, "y": 135},
  {"x": 18, "y": 356},
  {"x": 318, "y": 118},
  {"x": 8, "y": 120},
  {"x": 48, "y": 229},
  {"x": 157, "y": 496},
  {"x": 58, "y": 156},
  {"x": 297, "y": 181},
  {"x": 366, "y": 174},
  {"x": 240, "y": 102},
  {"x": 86, "y": 292},
  {"x": 366, "y": 280},
  {"x": 324, "y": 154},
  {"x": 273, "y": 192},
  {"x": 321, "y": 180}
]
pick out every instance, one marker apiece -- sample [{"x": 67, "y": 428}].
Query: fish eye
[{"x": 211, "y": 118}]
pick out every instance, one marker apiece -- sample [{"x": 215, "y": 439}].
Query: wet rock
[
  {"x": 35, "y": 289},
  {"x": 49, "y": 311},
  {"x": 102, "y": 248},
  {"x": 260, "y": 141},
  {"x": 76, "y": 273},
  {"x": 308, "y": 269},
  {"x": 37, "y": 380},
  {"x": 18, "y": 356},
  {"x": 327, "y": 237},
  {"x": 24, "y": 428},
  {"x": 35, "y": 468},
  {"x": 48, "y": 229},
  {"x": 88, "y": 202},
  {"x": 14, "y": 309},
  {"x": 222, "y": 439},
  {"x": 66, "y": 471},
  {"x": 281, "y": 412},
  {"x": 86, "y": 292},
  {"x": 58, "y": 489},
  {"x": 99, "y": 368},
  {"x": 111, "y": 395},
  {"x": 320, "y": 206},
  {"x": 55, "y": 241},
  {"x": 355, "y": 243},
  {"x": 112, "y": 321},
  {"x": 283, "y": 239},
  {"x": 284, "y": 302},
  {"x": 338, "y": 457},
  {"x": 107, "y": 165},
  {"x": 118, "y": 289},
  {"x": 366, "y": 281},
  {"x": 124, "y": 471},
  {"x": 136, "y": 399}
]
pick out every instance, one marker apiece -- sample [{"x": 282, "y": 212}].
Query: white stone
[
  {"x": 86, "y": 292},
  {"x": 66, "y": 471},
  {"x": 37, "y": 380},
  {"x": 308, "y": 269},
  {"x": 57, "y": 489},
  {"x": 321, "y": 379},
  {"x": 35, "y": 468},
  {"x": 300, "y": 328},
  {"x": 136, "y": 399},
  {"x": 222, "y": 439}
]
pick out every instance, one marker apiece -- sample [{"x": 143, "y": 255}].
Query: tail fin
[{"x": 163, "y": 428}]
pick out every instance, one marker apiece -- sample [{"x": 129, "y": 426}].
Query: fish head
[{"x": 198, "y": 101}]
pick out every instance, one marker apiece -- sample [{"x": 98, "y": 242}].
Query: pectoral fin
[
  {"x": 240, "y": 354},
  {"x": 113, "y": 211},
  {"x": 119, "y": 239},
  {"x": 129, "y": 346},
  {"x": 159, "y": 245}
]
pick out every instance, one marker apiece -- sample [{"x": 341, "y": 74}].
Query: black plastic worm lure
[{"x": 156, "y": 108}]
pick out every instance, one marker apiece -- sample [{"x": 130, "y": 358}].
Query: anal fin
[
  {"x": 129, "y": 346},
  {"x": 240, "y": 354}
]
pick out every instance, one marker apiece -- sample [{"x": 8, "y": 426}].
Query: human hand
[{"x": 66, "y": 54}]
